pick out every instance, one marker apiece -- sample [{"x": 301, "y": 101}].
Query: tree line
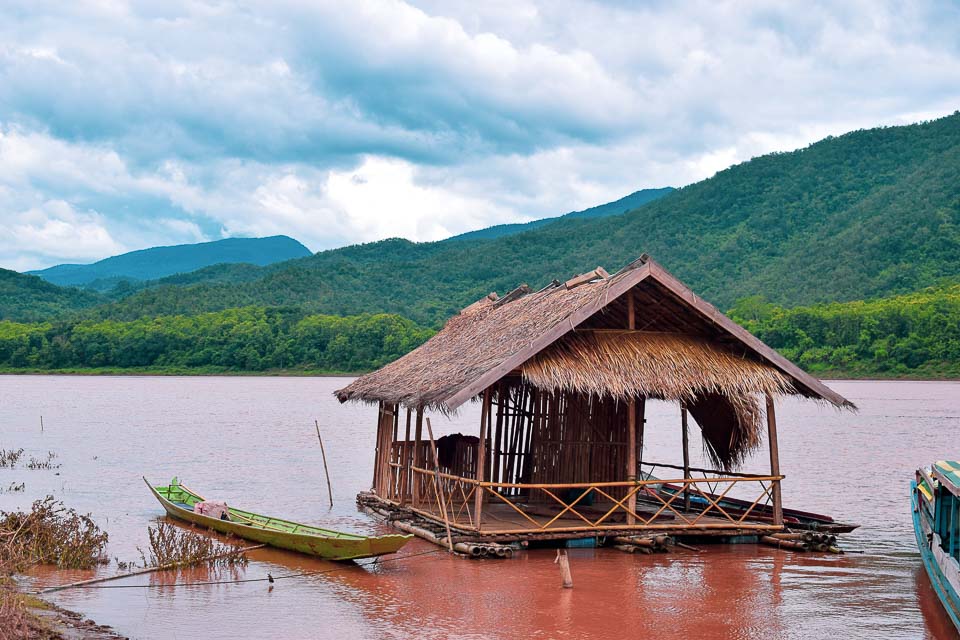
[
  {"x": 915, "y": 334},
  {"x": 243, "y": 339}
]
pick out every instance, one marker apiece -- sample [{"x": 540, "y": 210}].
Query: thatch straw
[
  {"x": 664, "y": 366},
  {"x": 719, "y": 387},
  {"x": 492, "y": 336}
]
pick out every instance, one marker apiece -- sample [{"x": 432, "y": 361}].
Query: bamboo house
[{"x": 563, "y": 375}]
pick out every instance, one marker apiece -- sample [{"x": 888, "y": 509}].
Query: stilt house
[{"x": 563, "y": 375}]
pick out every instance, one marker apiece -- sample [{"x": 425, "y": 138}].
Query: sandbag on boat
[{"x": 212, "y": 509}]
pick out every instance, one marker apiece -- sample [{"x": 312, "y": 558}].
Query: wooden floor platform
[{"x": 502, "y": 523}]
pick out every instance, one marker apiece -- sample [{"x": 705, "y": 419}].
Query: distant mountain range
[
  {"x": 867, "y": 214},
  {"x": 623, "y": 205},
  {"x": 158, "y": 262}
]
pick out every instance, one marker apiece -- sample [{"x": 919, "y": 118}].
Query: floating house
[{"x": 562, "y": 376}]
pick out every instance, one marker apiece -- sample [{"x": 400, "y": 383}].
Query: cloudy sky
[{"x": 130, "y": 124}]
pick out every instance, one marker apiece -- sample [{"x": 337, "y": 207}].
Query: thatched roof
[{"x": 560, "y": 337}]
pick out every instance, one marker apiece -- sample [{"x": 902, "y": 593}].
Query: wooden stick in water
[
  {"x": 325, "y": 470},
  {"x": 436, "y": 478},
  {"x": 163, "y": 567},
  {"x": 565, "y": 574}
]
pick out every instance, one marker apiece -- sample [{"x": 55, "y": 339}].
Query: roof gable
[{"x": 494, "y": 337}]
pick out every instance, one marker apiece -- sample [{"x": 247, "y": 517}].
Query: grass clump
[
  {"x": 35, "y": 464},
  {"x": 9, "y": 458},
  {"x": 49, "y": 534},
  {"x": 171, "y": 546}
]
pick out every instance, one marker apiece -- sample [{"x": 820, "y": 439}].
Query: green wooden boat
[{"x": 178, "y": 501}]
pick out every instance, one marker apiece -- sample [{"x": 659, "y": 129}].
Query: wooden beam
[
  {"x": 417, "y": 462},
  {"x": 631, "y": 424},
  {"x": 774, "y": 461},
  {"x": 482, "y": 456},
  {"x": 405, "y": 482},
  {"x": 686, "y": 457}
]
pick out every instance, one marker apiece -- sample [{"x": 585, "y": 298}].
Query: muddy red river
[{"x": 251, "y": 442}]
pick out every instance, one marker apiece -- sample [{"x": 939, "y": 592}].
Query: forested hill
[
  {"x": 623, "y": 205},
  {"x": 157, "y": 262},
  {"x": 862, "y": 215},
  {"x": 915, "y": 335},
  {"x": 26, "y": 298}
]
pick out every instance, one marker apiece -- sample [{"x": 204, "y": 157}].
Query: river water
[{"x": 251, "y": 442}]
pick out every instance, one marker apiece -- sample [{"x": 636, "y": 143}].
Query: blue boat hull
[{"x": 941, "y": 585}]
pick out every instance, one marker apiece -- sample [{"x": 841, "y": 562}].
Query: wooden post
[
  {"x": 481, "y": 458},
  {"x": 405, "y": 480},
  {"x": 631, "y": 427},
  {"x": 565, "y": 576},
  {"x": 774, "y": 461},
  {"x": 439, "y": 487},
  {"x": 417, "y": 462},
  {"x": 686, "y": 457},
  {"x": 376, "y": 451}
]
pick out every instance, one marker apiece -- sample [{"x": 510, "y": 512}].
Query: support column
[
  {"x": 417, "y": 458},
  {"x": 686, "y": 457},
  {"x": 774, "y": 461},
  {"x": 631, "y": 426},
  {"x": 376, "y": 451},
  {"x": 405, "y": 463},
  {"x": 481, "y": 458}
]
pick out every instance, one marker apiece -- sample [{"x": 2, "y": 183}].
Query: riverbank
[
  {"x": 944, "y": 374},
  {"x": 177, "y": 371},
  {"x": 53, "y": 622}
]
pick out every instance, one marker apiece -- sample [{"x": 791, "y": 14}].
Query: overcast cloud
[{"x": 131, "y": 124}]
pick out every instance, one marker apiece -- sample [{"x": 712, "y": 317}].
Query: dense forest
[
  {"x": 911, "y": 335},
  {"x": 253, "y": 339},
  {"x": 30, "y": 298}
]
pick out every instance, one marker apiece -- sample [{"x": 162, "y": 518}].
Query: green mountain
[
  {"x": 157, "y": 262},
  {"x": 27, "y": 298},
  {"x": 862, "y": 215},
  {"x": 623, "y": 205}
]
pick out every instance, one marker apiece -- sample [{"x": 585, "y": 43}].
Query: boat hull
[
  {"x": 938, "y": 566},
  {"x": 347, "y": 547}
]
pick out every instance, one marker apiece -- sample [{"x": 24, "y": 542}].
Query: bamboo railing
[{"x": 595, "y": 506}]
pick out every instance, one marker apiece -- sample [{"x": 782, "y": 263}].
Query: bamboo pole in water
[
  {"x": 326, "y": 471},
  {"x": 163, "y": 567},
  {"x": 439, "y": 487}
]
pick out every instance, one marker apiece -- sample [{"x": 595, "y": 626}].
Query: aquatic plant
[
  {"x": 175, "y": 547},
  {"x": 49, "y": 534},
  {"x": 8, "y": 459},
  {"x": 43, "y": 464}
]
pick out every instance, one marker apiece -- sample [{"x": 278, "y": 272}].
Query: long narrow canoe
[{"x": 178, "y": 501}]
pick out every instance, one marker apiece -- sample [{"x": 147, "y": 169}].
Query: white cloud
[
  {"x": 55, "y": 229},
  {"x": 338, "y": 123}
]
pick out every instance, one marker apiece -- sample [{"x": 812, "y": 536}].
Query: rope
[{"x": 303, "y": 574}]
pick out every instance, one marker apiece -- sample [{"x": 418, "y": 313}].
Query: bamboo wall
[{"x": 532, "y": 437}]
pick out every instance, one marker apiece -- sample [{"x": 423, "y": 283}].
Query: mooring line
[{"x": 304, "y": 574}]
